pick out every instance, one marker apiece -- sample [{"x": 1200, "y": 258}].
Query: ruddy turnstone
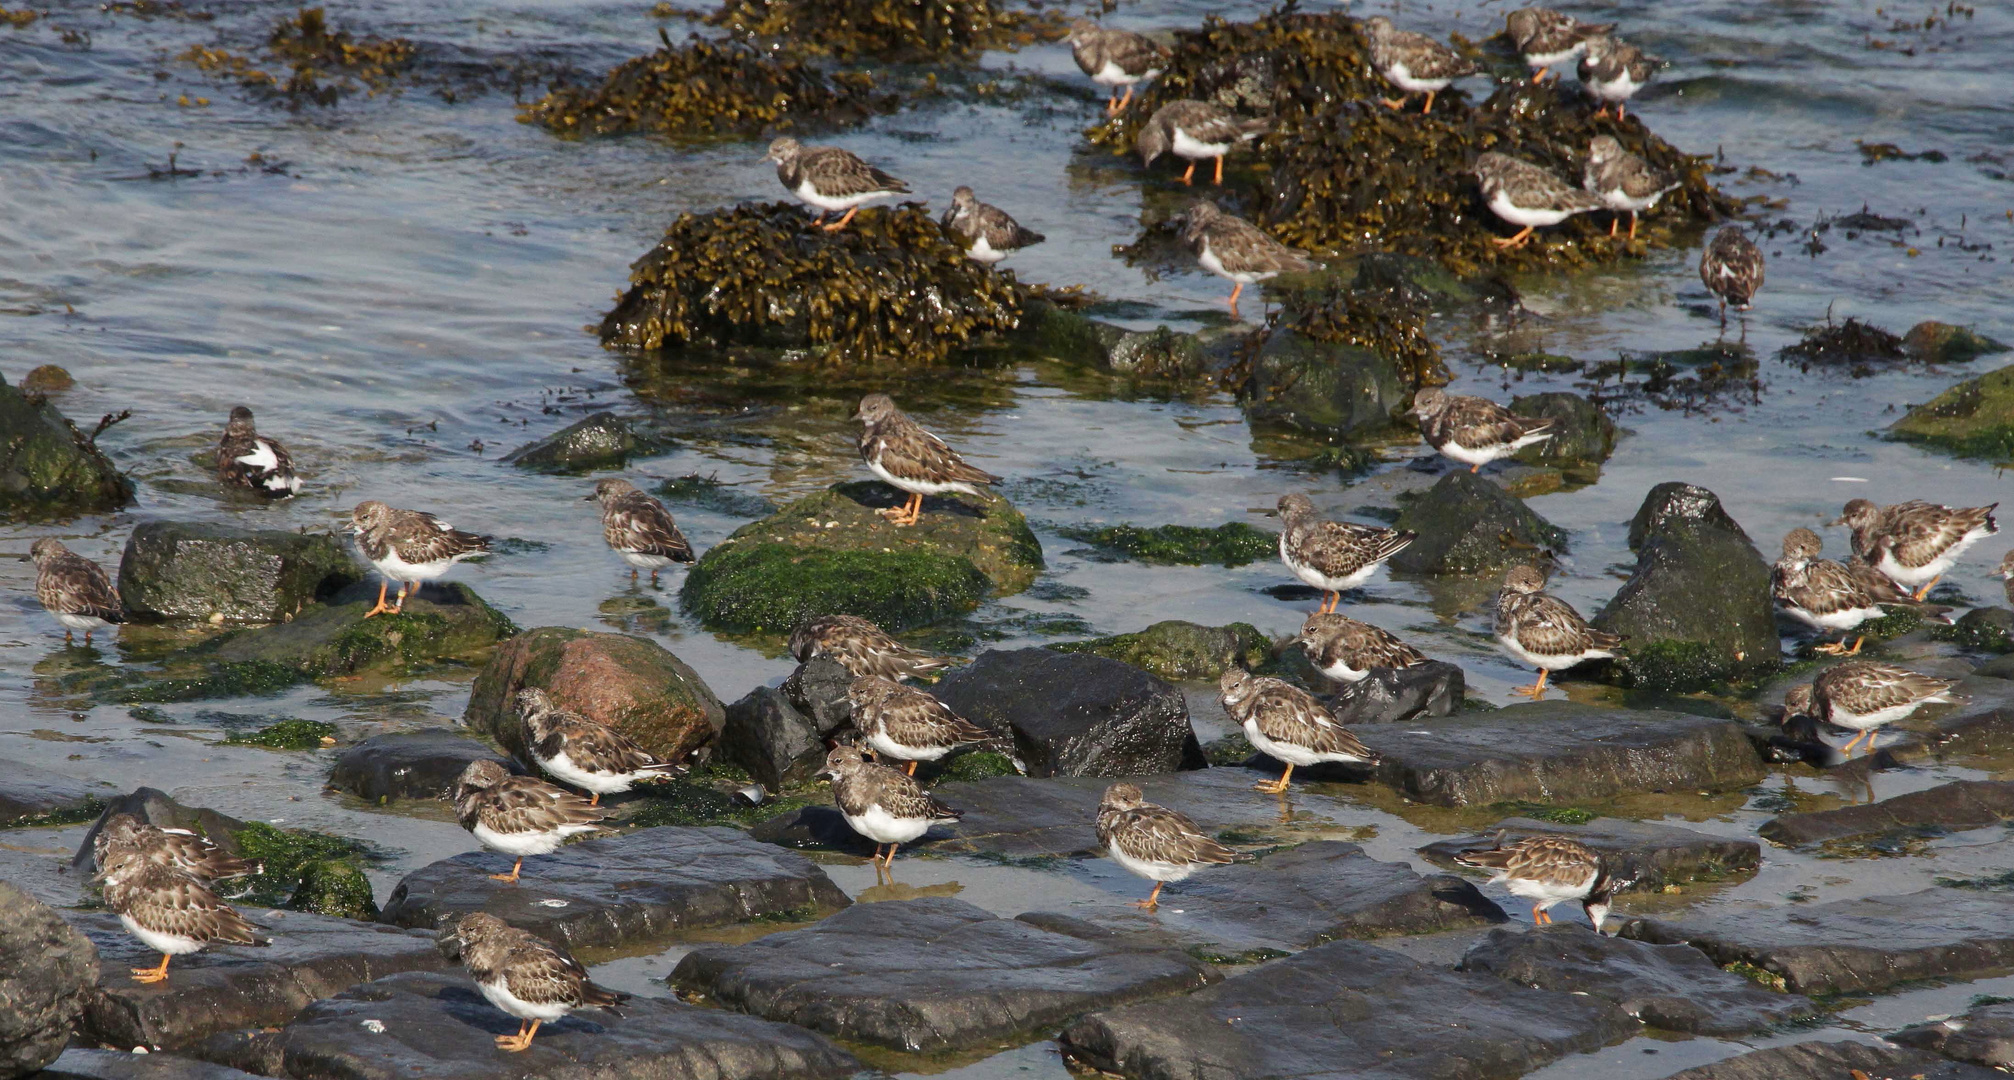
[
  {"x": 1195, "y": 130},
  {"x": 1333, "y": 555},
  {"x": 1731, "y": 268},
  {"x": 862, "y": 648},
  {"x": 908, "y": 458},
  {"x": 74, "y": 589},
  {"x": 409, "y": 547},
  {"x": 1415, "y": 63},
  {"x": 249, "y": 460},
  {"x": 1474, "y": 431},
  {"x": 1545, "y": 37},
  {"x": 1287, "y": 724},
  {"x": 593, "y": 757},
  {"x": 519, "y": 815},
  {"x": 1237, "y": 250},
  {"x": 639, "y": 528},
  {"x": 1613, "y": 71},
  {"x": 1547, "y": 869},
  {"x": 1347, "y": 650},
  {"x": 1623, "y": 181},
  {"x": 1154, "y": 842},
  {"x": 2006, "y": 573},
  {"x": 1114, "y": 58},
  {"x": 526, "y": 976},
  {"x": 882, "y": 804},
  {"x": 1544, "y": 631},
  {"x": 906, "y": 724},
  {"x": 1916, "y": 542},
  {"x": 1827, "y": 595},
  {"x": 831, "y": 179},
  {"x": 989, "y": 234},
  {"x": 169, "y": 911},
  {"x": 1862, "y": 696},
  {"x": 177, "y": 849},
  {"x": 1524, "y": 194}
]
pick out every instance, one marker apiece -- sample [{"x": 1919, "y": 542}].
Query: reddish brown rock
[{"x": 632, "y": 684}]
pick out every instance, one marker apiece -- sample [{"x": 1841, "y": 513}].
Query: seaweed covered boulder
[
  {"x": 48, "y": 468},
  {"x": 1180, "y": 650},
  {"x": 832, "y": 553},
  {"x": 1933, "y": 342},
  {"x": 1470, "y": 525},
  {"x": 602, "y": 440},
  {"x": 631, "y": 684},
  {"x": 912, "y": 31},
  {"x": 1338, "y": 361},
  {"x": 891, "y": 288},
  {"x": 198, "y": 570},
  {"x": 1582, "y": 434},
  {"x": 1972, "y": 419}
]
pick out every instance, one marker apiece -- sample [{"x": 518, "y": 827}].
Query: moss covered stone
[
  {"x": 1986, "y": 629},
  {"x": 1231, "y": 544},
  {"x": 601, "y": 441},
  {"x": 1973, "y": 419},
  {"x": 288, "y": 857},
  {"x": 1467, "y": 524},
  {"x": 48, "y": 468},
  {"x": 1582, "y": 434},
  {"x": 830, "y": 553},
  {"x": 295, "y": 734},
  {"x": 891, "y": 30},
  {"x": 1940, "y": 343},
  {"x": 199, "y": 570},
  {"x": 335, "y": 887},
  {"x": 1177, "y": 650}
]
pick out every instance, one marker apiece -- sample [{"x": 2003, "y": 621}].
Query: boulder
[
  {"x": 337, "y": 887},
  {"x": 1348, "y": 1009},
  {"x": 1982, "y": 1036},
  {"x": 602, "y": 440},
  {"x": 198, "y": 570},
  {"x": 47, "y": 379},
  {"x": 933, "y": 974},
  {"x": 410, "y": 765},
  {"x": 1582, "y": 434},
  {"x": 818, "y": 690},
  {"x": 153, "y": 807},
  {"x": 1072, "y": 714},
  {"x": 1666, "y": 986},
  {"x": 438, "y": 1026},
  {"x": 227, "y": 987},
  {"x": 1854, "y": 946},
  {"x": 1697, "y": 611},
  {"x": 1960, "y": 804},
  {"x": 767, "y": 736},
  {"x": 1159, "y": 353},
  {"x": 1658, "y": 854},
  {"x": 1178, "y": 650},
  {"x": 620, "y": 890},
  {"x": 1933, "y": 342},
  {"x": 1985, "y": 629},
  {"x": 1832, "y": 1060},
  {"x": 1558, "y": 752},
  {"x": 1468, "y": 524},
  {"x": 632, "y": 684},
  {"x": 1394, "y": 695},
  {"x": 49, "y": 468},
  {"x": 79, "y": 1063},
  {"x": 1332, "y": 391},
  {"x": 32, "y": 796},
  {"x": 47, "y": 973},
  {"x": 1972, "y": 419},
  {"x": 1233, "y": 543}
]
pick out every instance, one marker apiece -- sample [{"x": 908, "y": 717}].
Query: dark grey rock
[
  {"x": 1982, "y": 1036},
  {"x": 438, "y": 1026},
  {"x": 1582, "y": 434},
  {"x": 932, "y": 974},
  {"x": 1183, "y": 651},
  {"x": 1470, "y": 525},
  {"x": 1833, "y": 1060},
  {"x": 47, "y": 972},
  {"x": 224, "y": 988},
  {"x": 196, "y": 570},
  {"x": 29, "y": 794},
  {"x": 1159, "y": 353},
  {"x": 1961, "y": 804},
  {"x": 1071, "y": 714},
  {"x": 410, "y": 764},
  {"x": 818, "y": 690},
  {"x": 620, "y": 890},
  {"x": 49, "y": 468},
  {"x": 79, "y": 1063},
  {"x": 1854, "y": 946},
  {"x": 1393, "y": 695},
  {"x": 602, "y": 440},
  {"x": 1673, "y": 987},
  {"x": 154, "y": 807},
  {"x": 1348, "y": 1010},
  {"x": 1560, "y": 752},
  {"x": 1322, "y": 389},
  {"x": 1987, "y": 629},
  {"x": 1656, "y": 853},
  {"x": 766, "y": 735}
]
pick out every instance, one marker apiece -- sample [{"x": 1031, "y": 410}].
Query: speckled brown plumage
[
  {"x": 1832, "y": 596},
  {"x": 830, "y": 179},
  {"x": 1237, "y": 250},
  {"x": 1415, "y": 63},
  {"x": 1114, "y": 58},
  {"x": 1474, "y": 431},
  {"x": 1864, "y": 696},
  {"x": 987, "y": 231},
  {"x": 74, "y": 589},
  {"x": 1731, "y": 267},
  {"x": 409, "y": 547},
  {"x": 1545, "y": 37},
  {"x": 589, "y": 755},
  {"x": 862, "y": 648},
  {"x": 1623, "y": 181},
  {"x": 254, "y": 462},
  {"x": 1347, "y": 650},
  {"x": 1287, "y": 724},
  {"x": 1548, "y": 868},
  {"x": 1526, "y": 195},
  {"x": 1544, "y": 631},
  {"x": 639, "y": 528},
  {"x": 169, "y": 910},
  {"x": 1196, "y": 131},
  {"x": 519, "y": 815},
  {"x": 526, "y": 976},
  {"x": 907, "y": 724},
  {"x": 1333, "y": 555},
  {"x": 1157, "y": 843},
  {"x": 1916, "y": 542},
  {"x": 1613, "y": 71},
  {"x": 124, "y": 835},
  {"x": 882, "y": 804},
  {"x": 908, "y": 458}
]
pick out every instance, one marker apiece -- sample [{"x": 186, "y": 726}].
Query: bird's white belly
[
  {"x": 1935, "y": 568},
  {"x": 563, "y": 768},
  {"x": 1150, "y": 869},
  {"x": 1518, "y": 215},
  {"x": 1841, "y": 718},
  {"x": 1341, "y": 671},
  {"x": 1618, "y": 199},
  {"x": 644, "y": 560},
  {"x": 984, "y": 252},
  {"x": 880, "y": 826},
  {"x": 170, "y": 944},
  {"x": 530, "y": 843},
  {"x": 501, "y": 997},
  {"x": 1549, "y": 663},
  {"x": 1838, "y": 620},
  {"x": 1621, "y": 88},
  {"x": 1209, "y": 261},
  {"x": 1548, "y": 59},
  {"x": 1195, "y": 149},
  {"x": 1299, "y": 756},
  {"x": 1333, "y": 584},
  {"x": 79, "y": 622},
  {"x": 809, "y": 194},
  {"x": 923, "y": 487},
  {"x": 1114, "y": 75},
  {"x": 398, "y": 569},
  {"x": 1402, "y": 78},
  {"x": 1547, "y": 893},
  {"x": 884, "y": 745}
]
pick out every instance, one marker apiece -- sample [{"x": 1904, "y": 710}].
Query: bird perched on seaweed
[
  {"x": 830, "y": 179},
  {"x": 1195, "y": 131},
  {"x": 1115, "y": 58}
]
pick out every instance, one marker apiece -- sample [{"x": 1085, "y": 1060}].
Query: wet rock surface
[
  {"x": 1972, "y": 419},
  {"x": 630, "y": 683},
  {"x": 1075, "y": 714},
  {"x": 1470, "y": 525},
  {"x": 1349, "y": 1009},
  {"x": 439, "y": 1025},
  {"x": 48, "y": 467},
  {"x": 933, "y": 974},
  {"x": 48, "y": 972},
  {"x": 767, "y": 736},
  {"x": 1391, "y": 695},
  {"x": 1854, "y": 946},
  {"x": 409, "y": 765},
  {"x": 620, "y": 890},
  {"x": 223, "y": 988},
  {"x": 29, "y": 794},
  {"x": 1673, "y": 987},
  {"x": 1830, "y": 1060},
  {"x": 1582, "y": 434},
  {"x": 81, "y": 1063},
  {"x": 198, "y": 570},
  {"x": 1961, "y": 804},
  {"x": 818, "y": 690},
  {"x": 1321, "y": 388},
  {"x": 600, "y": 441},
  {"x": 1178, "y": 650},
  {"x": 152, "y": 806},
  {"x": 1933, "y": 342},
  {"x": 1656, "y": 853},
  {"x": 1982, "y": 1036}
]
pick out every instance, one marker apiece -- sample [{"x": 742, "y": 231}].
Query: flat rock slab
[
  {"x": 1855, "y": 946},
  {"x": 621, "y": 889},
  {"x": 1961, "y": 804},
  {"x": 1349, "y": 1010},
  {"x": 1837, "y": 1061},
  {"x": 1674, "y": 987},
  {"x": 1559, "y": 752},
  {"x": 439, "y": 1027},
  {"x": 29, "y": 794},
  {"x": 78, "y": 1063},
  {"x": 933, "y": 974},
  {"x": 410, "y": 765},
  {"x": 1659, "y": 854},
  {"x": 228, "y": 987},
  {"x": 1983, "y": 1036}
]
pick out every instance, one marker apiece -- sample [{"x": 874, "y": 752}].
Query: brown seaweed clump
[
  {"x": 1853, "y": 344},
  {"x": 1380, "y": 320},
  {"x": 889, "y": 30},
  {"x": 325, "y": 63},
  {"x": 892, "y": 289},
  {"x": 709, "y": 89}
]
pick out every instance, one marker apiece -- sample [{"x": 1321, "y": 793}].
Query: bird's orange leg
[
  {"x": 890, "y": 864},
  {"x": 1236, "y": 288},
  {"x": 594, "y": 798},
  {"x": 1220, "y": 169},
  {"x": 1188, "y": 177},
  {"x": 1632, "y": 224},
  {"x": 1394, "y": 103},
  {"x": 1329, "y": 603},
  {"x": 69, "y": 638},
  {"x": 1124, "y": 101},
  {"x": 1599, "y": 113},
  {"x": 1621, "y": 112},
  {"x": 380, "y": 609},
  {"x": 841, "y": 223},
  {"x": 520, "y": 1041},
  {"x": 912, "y": 768},
  {"x": 1430, "y": 102},
  {"x": 1612, "y": 223},
  {"x": 1855, "y": 650},
  {"x": 653, "y": 579},
  {"x": 87, "y": 637},
  {"x": 1851, "y": 743},
  {"x": 1925, "y": 590},
  {"x": 912, "y": 511},
  {"x": 512, "y": 876},
  {"x": 1476, "y": 468},
  {"x": 153, "y": 974},
  {"x": 410, "y": 588},
  {"x": 1536, "y": 690},
  {"x": 1275, "y": 787},
  {"x": 1153, "y": 900},
  {"x": 1513, "y": 241},
  {"x": 1538, "y": 76}
]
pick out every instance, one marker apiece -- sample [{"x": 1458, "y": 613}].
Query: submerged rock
[
  {"x": 600, "y": 441},
  {"x": 1582, "y": 434},
  {"x": 1942, "y": 343},
  {"x": 49, "y": 468},
  {"x": 1961, "y": 804},
  {"x": 1831, "y": 1060},
  {"x": 1655, "y": 853},
  {"x": 1075, "y": 714},
  {"x": 197, "y": 570},
  {"x": 1396, "y": 695},
  {"x": 766, "y": 736},
  {"x": 1986, "y": 629},
  {"x": 1470, "y": 525},
  {"x": 1332, "y": 390},
  {"x": 1231, "y": 544},
  {"x": 831, "y": 554},
  {"x": 48, "y": 972},
  {"x": 409, "y": 765},
  {"x": 1982, "y": 1036},
  {"x": 1180, "y": 650},
  {"x": 908, "y": 31},
  {"x": 632, "y": 684},
  {"x": 32, "y": 796},
  {"x": 1972, "y": 419}
]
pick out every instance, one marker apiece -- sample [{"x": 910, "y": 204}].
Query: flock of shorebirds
[{"x": 834, "y": 180}]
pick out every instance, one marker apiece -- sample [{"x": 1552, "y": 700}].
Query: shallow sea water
[{"x": 414, "y": 278}]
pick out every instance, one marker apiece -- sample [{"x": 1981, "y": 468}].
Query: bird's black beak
[{"x": 590, "y": 498}]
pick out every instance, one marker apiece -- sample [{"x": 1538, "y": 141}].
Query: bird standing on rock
[
  {"x": 1154, "y": 842},
  {"x": 1863, "y": 696},
  {"x": 1474, "y": 431},
  {"x": 526, "y": 976},
  {"x": 1831, "y": 596},
  {"x": 1544, "y": 631},
  {"x": 639, "y": 528},
  {"x": 830, "y": 179},
  {"x": 591, "y": 756},
  {"x": 519, "y": 815},
  {"x": 169, "y": 911},
  {"x": 1114, "y": 58},
  {"x": 74, "y": 589},
  {"x": 1347, "y": 650},
  {"x": 1547, "y": 869},
  {"x": 1287, "y": 724},
  {"x": 249, "y": 460},
  {"x": 409, "y": 547},
  {"x": 882, "y": 804},
  {"x": 910, "y": 459},
  {"x": 862, "y": 648},
  {"x": 1415, "y": 63},
  {"x": 1916, "y": 542},
  {"x": 990, "y": 235},
  {"x": 1333, "y": 555},
  {"x": 1194, "y": 131},
  {"x": 1545, "y": 37},
  {"x": 907, "y": 724},
  {"x": 176, "y": 849},
  {"x": 1237, "y": 250}
]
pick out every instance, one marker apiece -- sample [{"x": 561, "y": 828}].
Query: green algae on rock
[
  {"x": 1973, "y": 419},
  {"x": 335, "y": 887},
  {"x": 1468, "y": 524},
  {"x": 1231, "y": 544},
  {"x": 287, "y": 858},
  {"x": 48, "y": 468},
  {"x": 1178, "y": 650},
  {"x": 1582, "y": 434},
  {"x": 1929, "y": 341},
  {"x": 603, "y": 440},
  {"x": 831, "y": 553},
  {"x": 295, "y": 734},
  {"x": 890, "y": 289},
  {"x": 913, "y": 31}
]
